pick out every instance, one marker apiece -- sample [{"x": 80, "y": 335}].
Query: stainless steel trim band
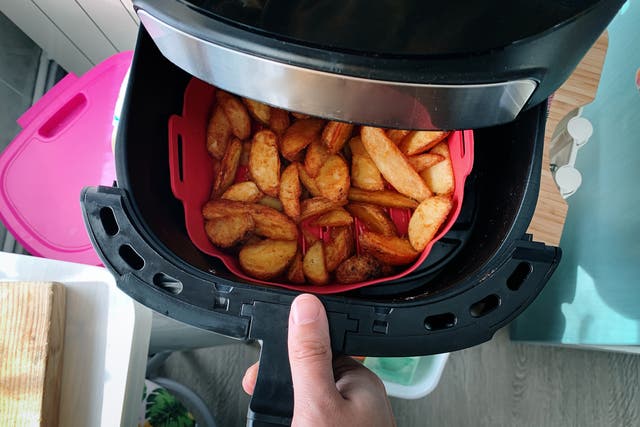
[{"x": 337, "y": 96}]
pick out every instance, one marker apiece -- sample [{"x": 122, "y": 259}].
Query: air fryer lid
[{"x": 405, "y": 64}]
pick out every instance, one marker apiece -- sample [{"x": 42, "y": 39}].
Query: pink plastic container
[
  {"x": 64, "y": 146},
  {"x": 192, "y": 175}
]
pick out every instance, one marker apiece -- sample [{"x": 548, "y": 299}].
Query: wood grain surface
[{"x": 32, "y": 316}]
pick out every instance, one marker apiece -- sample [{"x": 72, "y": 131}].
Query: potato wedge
[
  {"x": 420, "y": 141},
  {"x": 364, "y": 172},
  {"x": 423, "y": 161},
  {"x": 308, "y": 182},
  {"x": 358, "y": 268},
  {"x": 217, "y": 208},
  {"x": 246, "y": 151},
  {"x": 439, "y": 177},
  {"x": 387, "y": 249},
  {"x": 246, "y": 191},
  {"x": 290, "y": 191},
  {"x": 300, "y": 116},
  {"x": 374, "y": 218},
  {"x": 313, "y": 265},
  {"x": 218, "y": 133},
  {"x": 316, "y": 206},
  {"x": 333, "y": 179},
  {"x": 279, "y": 120},
  {"x": 273, "y": 224},
  {"x": 259, "y": 111},
  {"x": 387, "y": 198},
  {"x": 427, "y": 219},
  {"x": 334, "y": 218},
  {"x": 236, "y": 113},
  {"x": 393, "y": 165},
  {"x": 295, "y": 273},
  {"x": 298, "y": 136},
  {"x": 335, "y": 135},
  {"x": 228, "y": 231},
  {"x": 226, "y": 173},
  {"x": 396, "y": 135},
  {"x": 340, "y": 247},
  {"x": 268, "y": 258},
  {"x": 272, "y": 202},
  {"x": 315, "y": 157},
  {"x": 264, "y": 162}
]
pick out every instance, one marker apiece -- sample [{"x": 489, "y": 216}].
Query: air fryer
[{"x": 477, "y": 278}]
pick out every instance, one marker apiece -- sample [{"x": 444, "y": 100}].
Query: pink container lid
[{"x": 65, "y": 145}]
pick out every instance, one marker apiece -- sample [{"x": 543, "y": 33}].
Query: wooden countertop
[{"x": 580, "y": 89}]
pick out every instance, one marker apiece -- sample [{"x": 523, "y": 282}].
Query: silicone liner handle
[
  {"x": 175, "y": 156},
  {"x": 466, "y": 158}
]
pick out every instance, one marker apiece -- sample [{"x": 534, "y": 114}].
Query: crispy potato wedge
[
  {"x": 419, "y": 141},
  {"x": 272, "y": 202},
  {"x": 300, "y": 116},
  {"x": 290, "y": 191},
  {"x": 390, "y": 250},
  {"x": 308, "y": 182},
  {"x": 236, "y": 113},
  {"x": 279, "y": 120},
  {"x": 364, "y": 172},
  {"x": 397, "y": 135},
  {"x": 387, "y": 198},
  {"x": 439, "y": 177},
  {"x": 392, "y": 164},
  {"x": 296, "y": 273},
  {"x": 358, "y": 268},
  {"x": 226, "y": 173},
  {"x": 333, "y": 179},
  {"x": 423, "y": 161},
  {"x": 217, "y": 208},
  {"x": 427, "y": 219},
  {"x": 375, "y": 218},
  {"x": 335, "y": 135},
  {"x": 218, "y": 133},
  {"x": 334, "y": 218},
  {"x": 315, "y": 157},
  {"x": 316, "y": 206},
  {"x": 267, "y": 259},
  {"x": 313, "y": 265},
  {"x": 264, "y": 162},
  {"x": 340, "y": 247},
  {"x": 228, "y": 231},
  {"x": 246, "y": 191},
  {"x": 246, "y": 151},
  {"x": 298, "y": 136},
  {"x": 259, "y": 111}
]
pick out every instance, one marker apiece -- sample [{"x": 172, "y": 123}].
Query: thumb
[{"x": 310, "y": 353}]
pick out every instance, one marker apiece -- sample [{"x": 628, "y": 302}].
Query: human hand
[{"x": 326, "y": 394}]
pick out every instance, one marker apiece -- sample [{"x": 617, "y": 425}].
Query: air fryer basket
[{"x": 491, "y": 275}]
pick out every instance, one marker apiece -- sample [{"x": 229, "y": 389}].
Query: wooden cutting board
[{"x": 32, "y": 319}]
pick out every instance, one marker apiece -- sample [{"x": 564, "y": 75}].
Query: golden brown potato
[
  {"x": 279, "y": 121},
  {"x": 267, "y": 259},
  {"x": 218, "y": 133},
  {"x": 439, "y": 177},
  {"x": 316, "y": 206},
  {"x": 290, "y": 191},
  {"x": 259, "y": 111},
  {"x": 228, "y": 231},
  {"x": 314, "y": 266},
  {"x": 264, "y": 162},
  {"x": 423, "y": 161},
  {"x": 358, "y": 268},
  {"x": 308, "y": 182},
  {"x": 420, "y": 141},
  {"x": 427, "y": 219},
  {"x": 390, "y": 250},
  {"x": 236, "y": 113},
  {"x": 335, "y": 135},
  {"x": 334, "y": 218},
  {"x": 298, "y": 136},
  {"x": 296, "y": 273},
  {"x": 316, "y": 156},
  {"x": 300, "y": 116},
  {"x": 396, "y": 135},
  {"x": 333, "y": 179},
  {"x": 340, "y": 247},
  {"x": 226, "y": 173},
  {"x": 246, "y": 191},
  {"x": 374, "y": 218},
  {"x": 217, "y": 208},
  {"x": 392, "y": 164},
  {"x": 387, "y": 198},
  {"x": 364, "y": 172},
  {"x": 272, "y": 202}
]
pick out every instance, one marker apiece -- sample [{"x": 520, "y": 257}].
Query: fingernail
[{"x": 305, "y": 309}]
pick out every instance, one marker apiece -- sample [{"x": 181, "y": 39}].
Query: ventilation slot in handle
[{"x": 440, "y": 321}]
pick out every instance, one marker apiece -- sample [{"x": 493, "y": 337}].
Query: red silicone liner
[{"x": 191, "y": 174}]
